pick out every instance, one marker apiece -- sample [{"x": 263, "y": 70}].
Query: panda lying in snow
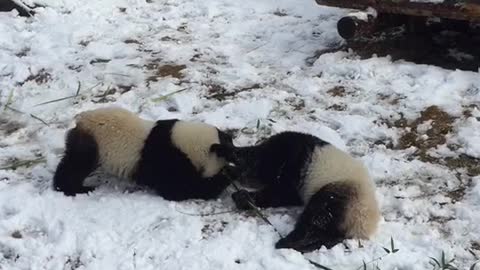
[
  {"x": 170, "y": 156},
  {"x": 299, "y": 169}
]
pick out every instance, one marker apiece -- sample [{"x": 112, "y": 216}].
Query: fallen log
[
  {"x": 354, "y": 26},
  {"x": 351, "y": 27},
  {"x": 9, "y": 5},
  {"x": 467, "y": 10}
]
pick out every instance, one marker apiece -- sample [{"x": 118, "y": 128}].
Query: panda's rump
[
  {"x": 334, "y": 168},
  {"x": 328, "y": 164},
  {"x": 362, "y": 213},
  {"x": 120, "y": 136}
]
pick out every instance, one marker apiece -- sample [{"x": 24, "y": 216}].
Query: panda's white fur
[
  {"x": 120, "y": 136},
  {"x": 127, "y": 146},
  {"x": 331, "y": 165}
]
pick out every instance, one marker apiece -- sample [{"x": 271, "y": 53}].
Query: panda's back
[
  {"x": 120, "y": 137},
  {"x": 328, "y": 164}
]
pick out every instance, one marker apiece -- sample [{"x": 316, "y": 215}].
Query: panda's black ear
[
  {"x": 225, "y": 138},
  {"x": 218, "y": 149}
]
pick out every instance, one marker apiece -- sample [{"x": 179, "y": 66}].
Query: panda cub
[
  {"x": 294, "y": 169},
  {"x": 170, "y": 156}
]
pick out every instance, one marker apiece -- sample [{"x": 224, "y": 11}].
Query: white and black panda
[
  {"x": 170, "y": 156},
  {"x": 299, "y": 169}
]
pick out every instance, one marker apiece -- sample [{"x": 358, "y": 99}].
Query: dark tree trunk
[{"x": 468, "y": 10}]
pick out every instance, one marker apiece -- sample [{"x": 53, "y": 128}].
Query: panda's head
[
  {"x": 194, "y": 139},
  {"x": 243, "y": 163}
]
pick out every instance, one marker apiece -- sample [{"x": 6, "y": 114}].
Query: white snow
[
  {"x": 469, "y": 137},
  {"x": 229, "y": 46}
]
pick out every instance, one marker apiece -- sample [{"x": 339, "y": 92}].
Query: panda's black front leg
[
  {"x": 320, "y": 223},
  {"x": 210, "y": 188},
  {"x": 79, "y": 160}
]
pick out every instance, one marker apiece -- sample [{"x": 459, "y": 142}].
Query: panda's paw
[
  {"x": 86, "y": 189},
  {"x": 73, "y": 192},
  {"x": 83, "y": 190},
  {"x": 242, "y": 199}
]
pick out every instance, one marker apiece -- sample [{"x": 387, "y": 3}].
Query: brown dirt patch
[
  {"x": 393, "y": 99},
  {"x": 280, "y": 13},
  {"x": 132, "y": 41},
  {"x": 154, "y": 64},
  {"x": 168, "y": 38},
  {"x": 40, "y": 78},
  {"x": 17, "y": 235},
  {"x": 122, "y": 89},
  {"x": 337, "y": 107},
  {"x": 160, "y": 71},
  {"x": 99, "y": 61},
  {"x": 220, "y": 93},
  {"x": 84, "y": 43},
  {"x": 196, "y": 57},
  {"x": 440, "y": 125},
  {"x": 337, "y": 91},
  {"x": 106, "y": 96},
  {"x": 475, "y": 246},
  {"x": 76, "y": 68},
  {"x": 296, "y": 103},
  {"x": 23, "y": 52},
  {"x": 8, "y": 127},
  {"x": 458, "y": 194},
  {"x": 467, "y": 110},
  {"x": 183, "y": 28},
  {"x": 471, "y": 164},
  {"x": 215, "y": 89},
  {"x": 214, "y": 227}
]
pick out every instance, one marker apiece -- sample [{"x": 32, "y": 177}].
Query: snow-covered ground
[{"x": 248, "y": 66}]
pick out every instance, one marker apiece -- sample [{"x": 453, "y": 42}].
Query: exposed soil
[
  {"x": 337, "y": 107},
  {"x": 213, "y": 227},
  {"x": 8, "y": 127},
  {"x": 160, "y": 71},
  {"x": 439, "y": 124},
  {"x": 437, "y": 45},
  {"x": 218, "y": 92},
  {"x": 40, "y": 78},
  {"x": 337, "y": 91}
]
